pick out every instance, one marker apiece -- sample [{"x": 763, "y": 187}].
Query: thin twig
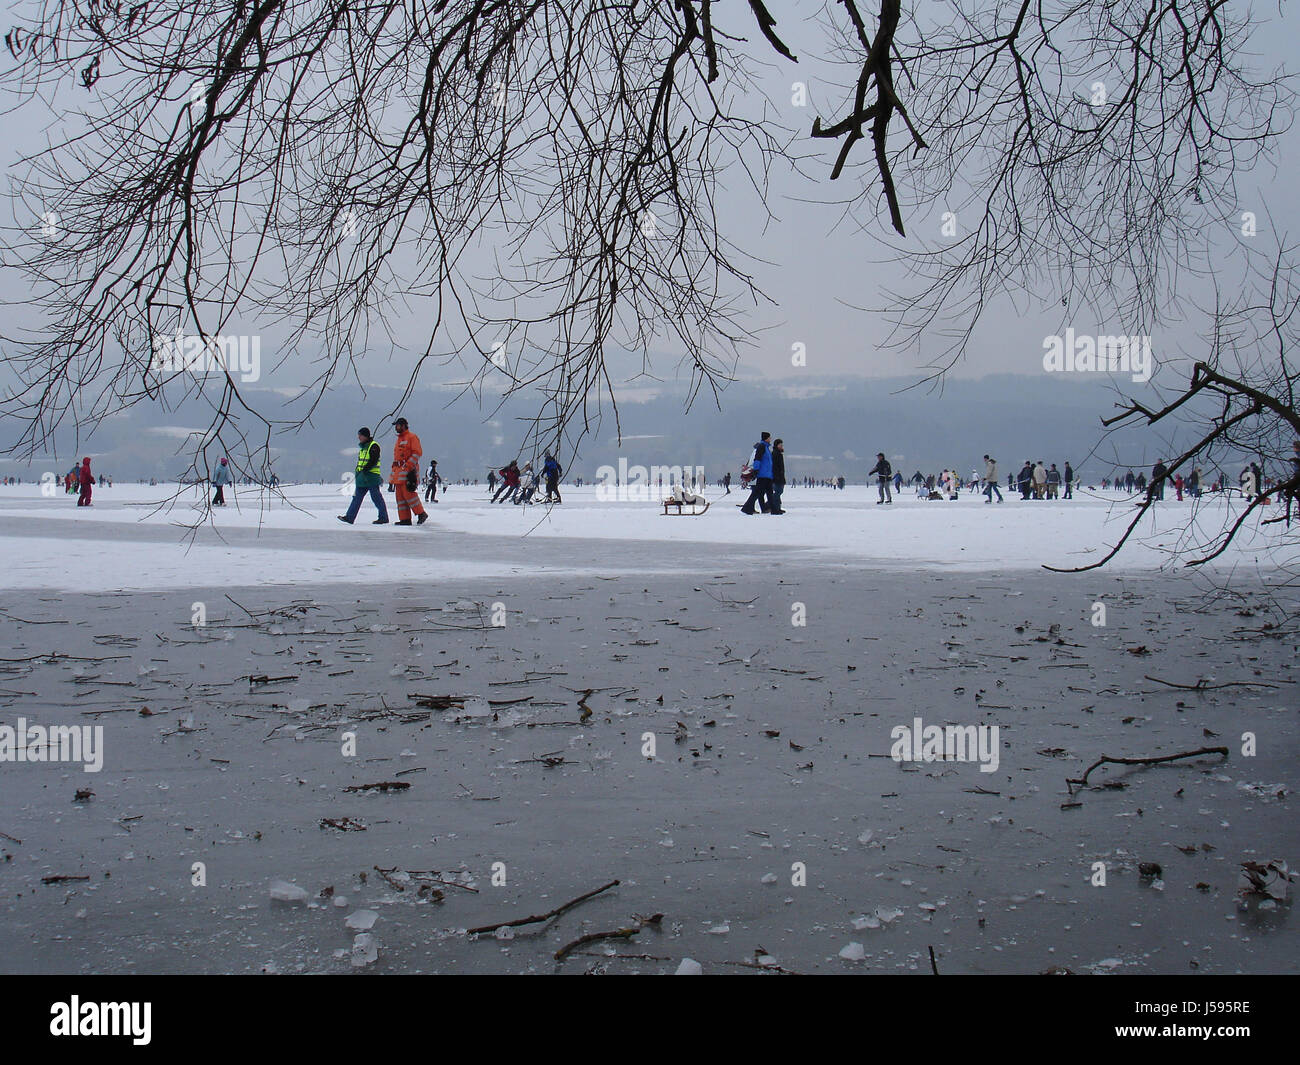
[
  {"x": 1083, "y": 780},
  {"x": 542, "y": 917}
]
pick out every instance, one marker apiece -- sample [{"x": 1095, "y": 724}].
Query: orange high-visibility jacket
[{"x": 406, "y": 455}]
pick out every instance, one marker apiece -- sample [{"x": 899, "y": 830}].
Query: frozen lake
[{"x": 731, "y": 765}]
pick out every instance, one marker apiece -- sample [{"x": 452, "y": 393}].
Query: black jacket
[
  {"x": 778, "y": 466},
  {"x": 883, "y": 468}
]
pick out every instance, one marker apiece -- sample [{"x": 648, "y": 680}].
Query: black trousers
[
  {"x": 761, "y": 493},
  {"x": 553, "y": 489}
]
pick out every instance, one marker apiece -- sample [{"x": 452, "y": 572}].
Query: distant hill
[{"x": 831, "y": 428}]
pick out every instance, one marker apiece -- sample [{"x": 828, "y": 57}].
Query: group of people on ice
[
  {"x": 767, "y": 466},
  {"x": 510, "y": 484}
]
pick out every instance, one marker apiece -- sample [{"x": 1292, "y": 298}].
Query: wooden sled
[{"x": 695, "y": 511}]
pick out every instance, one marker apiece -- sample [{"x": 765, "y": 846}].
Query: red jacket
[
  {"x": 511, "y": 474},
  {"x": 86, "y": 476}
]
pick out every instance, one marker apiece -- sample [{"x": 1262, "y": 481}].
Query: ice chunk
[
  {"x": 719, "y": 929},
  {"x": 365, "y": 950},
  {"x": 689, "y": 967},
  {"x": 283, "y": 891},
  {"x": 476, "y": 706},
  {"x": 362, "y": 920},
  {"x": 853, "y": 952}
]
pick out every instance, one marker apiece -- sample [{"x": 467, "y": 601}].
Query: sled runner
[
  {"x": 692, "y": 510},
  {"x": 688, "y": 504}
]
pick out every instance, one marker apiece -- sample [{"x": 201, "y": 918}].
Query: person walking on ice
[
  {"x": 367, "y": 479},
  {"x": 219, "y": 481},
  {"x": 431, "y": 490},
  {"x": 551, "y": 470},
  {"x": 778, "y": 476},
  {"x": 406, "y": 475},
  {"x": 991, "y": 480},
  {"x": 884, "y": 473},
  {"x": 761, "y": 463},
  {"x": 87, "y": 482}
]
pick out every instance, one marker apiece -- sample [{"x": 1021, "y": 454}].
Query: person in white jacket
[{"x": 991, "y": 480}]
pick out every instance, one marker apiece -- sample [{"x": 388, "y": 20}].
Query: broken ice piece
[
  {"x": 862, "y": 923},
  {"x": 769, "y": 878},
  {"x": 866, "y": 837},
  {"x": 719, "y": 929},
  {"x": 362, "y": 920},
  {"x": 689, "y": 967},
  {"x": 853, "y": 952},
  {"x": 365, "y": 950},
  {"x": 283, "y": 891},
  {"x": 885, "y": 914}
]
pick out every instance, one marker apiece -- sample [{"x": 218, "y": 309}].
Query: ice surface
[
  {"x": 310, "y": 546},
  {"x": 668, "y": 622}
]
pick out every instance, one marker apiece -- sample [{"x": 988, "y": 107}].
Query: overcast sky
[{"x": 820, "y": 273}]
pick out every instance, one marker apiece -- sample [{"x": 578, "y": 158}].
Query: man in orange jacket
[{"x": 406, "y": 475}]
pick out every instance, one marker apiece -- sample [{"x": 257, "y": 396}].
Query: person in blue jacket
[
  {"x": 761, "y": 493},
  {"x": 551, "y": 470},
  {"x": 219, "y": 481}
]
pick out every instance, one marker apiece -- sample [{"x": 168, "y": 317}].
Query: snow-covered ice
[{"x": 347, "y": 722}]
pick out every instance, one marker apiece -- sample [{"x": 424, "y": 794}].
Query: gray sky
[{"x": 821, "y": 273}]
